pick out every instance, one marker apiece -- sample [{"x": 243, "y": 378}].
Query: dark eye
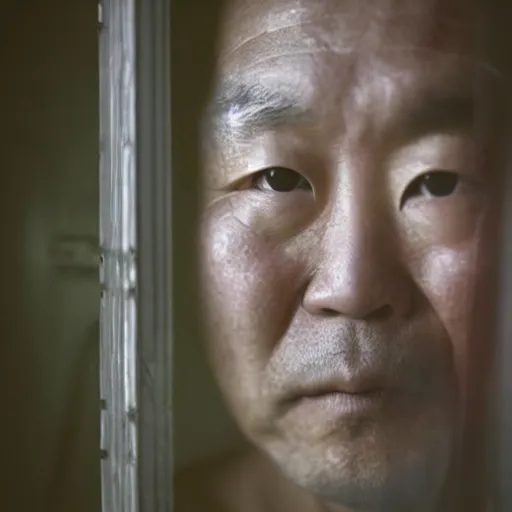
[
  {"x": 432, "y": 184},
  {"x": 280, "y": 179}
]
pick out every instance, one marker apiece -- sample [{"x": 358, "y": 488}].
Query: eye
[
  {"x": 432, "y": 184},
  {"x": 279, "y": 179}
]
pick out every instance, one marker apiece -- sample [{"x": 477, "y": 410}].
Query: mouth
[
  {"x": 356, "y": 386},
  {"x": 341, "y": 397},
  {"x": 340, "y": 403},
  {"x": 335, "y": 392}
]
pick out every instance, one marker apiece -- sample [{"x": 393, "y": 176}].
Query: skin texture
[{"x": 358, "y": 275}]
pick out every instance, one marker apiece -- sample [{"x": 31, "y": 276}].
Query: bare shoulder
[{"x": 235, "y": 482}]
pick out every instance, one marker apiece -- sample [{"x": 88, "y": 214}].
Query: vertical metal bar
[
  {"x": 155, "y": 255},
  {"x": 135, "y": 237},
  {"x": 118, "y": 313}
]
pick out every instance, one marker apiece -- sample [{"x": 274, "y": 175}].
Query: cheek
[
  {"x": 448, "y": 278},
  {"x": 250, "y": 293},
  {"x": 445, "y": 244},
  {"x": 447, "y": 222}
]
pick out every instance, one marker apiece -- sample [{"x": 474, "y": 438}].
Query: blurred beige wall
[{"x": 49, "y": 424}]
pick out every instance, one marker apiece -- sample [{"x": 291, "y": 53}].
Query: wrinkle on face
[
  {"x": 339, "y": 27},
  {"x": 358, "y": 84}
]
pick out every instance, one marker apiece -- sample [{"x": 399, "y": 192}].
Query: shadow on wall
[
  {"x": 202, "y": 428},
  {"x": 75, "y": 481}
]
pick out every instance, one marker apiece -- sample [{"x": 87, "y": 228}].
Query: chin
[{"x": 371, "y": 476}]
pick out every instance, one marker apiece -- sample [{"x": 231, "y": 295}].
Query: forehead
[
  {"x": 272, "y": 28},
  {"x": 346, "y": 57}
]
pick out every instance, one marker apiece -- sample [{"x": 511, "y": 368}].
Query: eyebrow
[{"x": 247, "y": 109}]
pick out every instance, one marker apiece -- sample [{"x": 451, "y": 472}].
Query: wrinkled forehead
[{"x": 258, "y": 30}]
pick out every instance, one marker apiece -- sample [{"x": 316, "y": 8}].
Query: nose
[{"x": 358, "y": 273}]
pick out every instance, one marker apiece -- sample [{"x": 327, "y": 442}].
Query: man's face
[{"x": 343, "y": 212}]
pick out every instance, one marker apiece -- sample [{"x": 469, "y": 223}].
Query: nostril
[
  {"x": 382, "y": 313},
  {"x": 329, "y": 312}
]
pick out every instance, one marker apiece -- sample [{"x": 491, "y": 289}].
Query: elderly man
[{"x": 347, "y": 188}]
